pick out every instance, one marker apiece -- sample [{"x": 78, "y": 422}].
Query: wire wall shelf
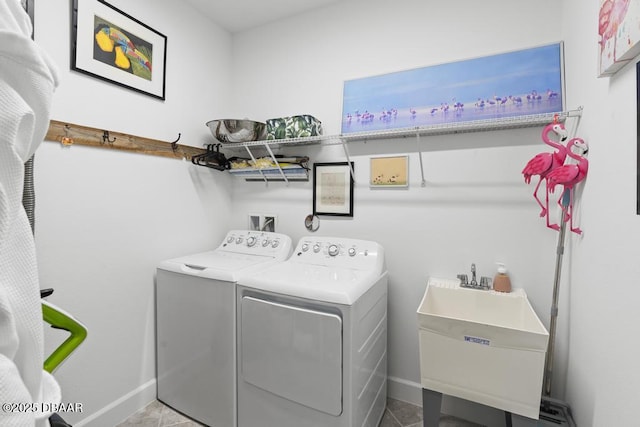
[{"x": 504, "y": 123}]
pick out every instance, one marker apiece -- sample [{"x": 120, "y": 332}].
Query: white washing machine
[
  {"x": 195, "y": 323},
  {"x": 312, "y": 338}
]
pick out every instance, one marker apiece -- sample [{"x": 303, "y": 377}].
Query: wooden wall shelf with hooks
[{"x": 73, "y": 134}]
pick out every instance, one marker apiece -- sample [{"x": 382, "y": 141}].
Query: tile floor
[{"x": 398, "y": 414}]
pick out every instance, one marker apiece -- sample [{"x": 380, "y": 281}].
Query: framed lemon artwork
[{"x": 115, "y": 47}]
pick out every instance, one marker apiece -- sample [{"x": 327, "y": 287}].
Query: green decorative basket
[{"x": 293, "y": 127}]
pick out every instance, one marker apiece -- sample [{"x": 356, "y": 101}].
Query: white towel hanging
[{"x": 27, "y": 81}]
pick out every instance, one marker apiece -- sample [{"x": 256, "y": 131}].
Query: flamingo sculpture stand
[
  {"x": 543, "y": 163},
  {"x": 568, "y": 176}
]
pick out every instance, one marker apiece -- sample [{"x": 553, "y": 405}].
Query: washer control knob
[
  {"x": 265, "y": 243},
  {"x": 352, "y": 251},
  {"x": 334, "y": 250},
  {"x": 251, "y": 241},
  {"x": 275, "y": 244},
  {"x": 229, "y": 239},
  {"x": 316, "y": 248},
  {"x": 239, "y": 240},
  {"x": 305, "y": 247}
]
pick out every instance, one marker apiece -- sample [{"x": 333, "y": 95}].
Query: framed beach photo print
[
  {"x": 517, "y": 83},
  {"x": 389, "y": 172},
  {"x": 333, "y": 189},
  {"x": 115, "y": 47}
]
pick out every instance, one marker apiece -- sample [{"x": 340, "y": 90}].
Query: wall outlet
[
  {"x": 254, "y": 222},
  {"x": 269, "y": 223},
  {"x": 263, "y": 222}
]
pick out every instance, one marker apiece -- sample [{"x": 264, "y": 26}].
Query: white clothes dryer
[
  {"x": 195, "y": 323},
  {"x": 312, "y": 337}
]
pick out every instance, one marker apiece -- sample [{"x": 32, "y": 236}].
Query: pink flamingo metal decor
[
  {"x": 543, "y": 163},
  {"x": 568, "y": 176}
]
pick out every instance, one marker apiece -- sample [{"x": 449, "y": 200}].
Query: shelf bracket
[
  {"x": 576, "y": 124},
  {"x": 423, "y": 183},
  {"x": 266, "y": 181},
  {"x": 277, "y": 164},
  {"x": 346, "y": 153}
]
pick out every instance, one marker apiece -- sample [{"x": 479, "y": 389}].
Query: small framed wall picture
[
  {"x": 389, "y": 172},
  {"x": 333, "y": 189}
]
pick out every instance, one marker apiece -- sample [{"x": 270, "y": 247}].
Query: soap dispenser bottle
[{"x": 501, "y": 282}]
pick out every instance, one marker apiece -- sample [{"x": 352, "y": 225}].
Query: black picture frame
[
  {"x": 333, "y": 189},
  {"x": 113, "y": 46}
]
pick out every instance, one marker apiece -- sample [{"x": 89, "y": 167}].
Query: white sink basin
[{"x": 485, "y": 346}]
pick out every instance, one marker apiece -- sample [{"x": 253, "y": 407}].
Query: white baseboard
[
  {"x": 397, "y": 388},
  {"x": 118, "y": 410},
  {"x": 407, "y": 391}
]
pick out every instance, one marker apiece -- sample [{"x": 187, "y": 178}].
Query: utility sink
[{"x": 481, "y": 345}]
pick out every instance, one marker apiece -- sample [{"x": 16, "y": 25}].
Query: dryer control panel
[
  {"x": 340, "y": 252},
  {"x": 257, "y": 243}
]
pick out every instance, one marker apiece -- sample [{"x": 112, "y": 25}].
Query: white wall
[
  {"x": 603, "y": 379},
  {"x": 105, "y": 218},
  {"x": 475, "y": 206}
]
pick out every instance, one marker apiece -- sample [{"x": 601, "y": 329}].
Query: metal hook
[
  {"x": 105, "y": 138},
  {"x": 174, "y": 144},
  {"x": 66, "y": 140}
]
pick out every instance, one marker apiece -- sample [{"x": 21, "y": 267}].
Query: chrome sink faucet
[
  {"x": 485, "y": 282},
  {"x": 474, "y": 282}
]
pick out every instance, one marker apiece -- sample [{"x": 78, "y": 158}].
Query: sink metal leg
[
  {"x": 507, "y": 419},
  {"x": 431, "y": 404}
]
